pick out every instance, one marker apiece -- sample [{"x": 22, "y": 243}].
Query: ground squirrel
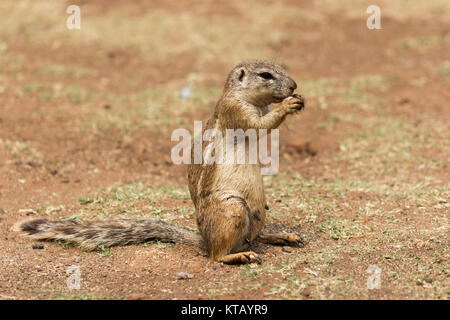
[{"x": 228, "y": 198}]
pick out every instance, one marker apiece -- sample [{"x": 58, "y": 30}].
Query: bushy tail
[{"x": 91, "y": 235}]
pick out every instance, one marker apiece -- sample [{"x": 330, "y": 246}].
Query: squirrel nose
[{"x": 293, "y": 85}]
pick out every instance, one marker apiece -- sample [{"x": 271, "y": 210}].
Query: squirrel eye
[{"x": 266, "y": 75}]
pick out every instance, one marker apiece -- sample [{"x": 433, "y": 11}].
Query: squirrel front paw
[{"x": 293, "y": 103}]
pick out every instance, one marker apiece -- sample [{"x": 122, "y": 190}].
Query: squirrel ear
[{"x": 241, "y": 74}]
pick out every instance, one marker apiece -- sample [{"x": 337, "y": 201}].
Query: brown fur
[
  {"x": 91, "y": 235},
  {"x": 228, "y": 198}
]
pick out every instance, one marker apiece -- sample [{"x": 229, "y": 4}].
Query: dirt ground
[{"x": 86, "y": 118}]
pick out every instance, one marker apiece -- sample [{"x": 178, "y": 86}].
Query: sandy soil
[{"x": 85, "y": 124}]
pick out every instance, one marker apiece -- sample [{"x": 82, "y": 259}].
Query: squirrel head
[{"x": 260, "y": 83}]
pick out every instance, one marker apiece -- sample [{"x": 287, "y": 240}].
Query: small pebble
[
  {"x": 306, "y": 292},
  {"x": 286, "y": 250},
  {"x": 184, "y": 275},
  {"x": 186, "y": 92},
  {"x": 28, "y": 212},
  {"x": 335, "y": 119}
]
